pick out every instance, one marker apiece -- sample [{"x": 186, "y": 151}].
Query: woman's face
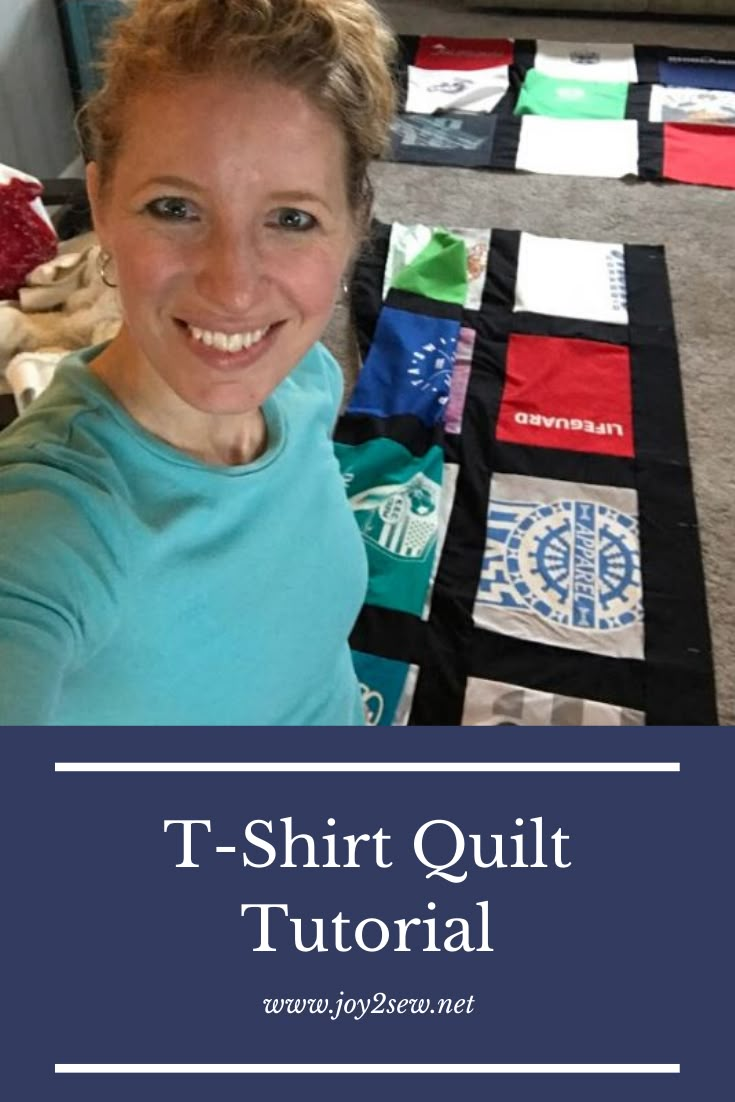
[{"x": 228, "y": 222}]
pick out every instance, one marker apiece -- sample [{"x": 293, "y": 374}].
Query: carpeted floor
[{"x": 697, "y": 226}]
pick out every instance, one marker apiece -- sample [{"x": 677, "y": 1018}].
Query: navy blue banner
[{"x": 573, "y": 911}]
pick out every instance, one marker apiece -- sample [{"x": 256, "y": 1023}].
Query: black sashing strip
[
  {"x": 505, "y": 145},
  {"x": 416, "y": 437},
  {"x": 658, "y": 404},
  {"x": 505, "y": 105},
  {"x": 558, "y": 670},
  {"x": 646, "y": 60},
  {"x": 651, "y": 150},
  {"x": 413, "y": 303},
  {"x": 390, "y": 634},
  {"x": 639, "y": 102},
  {"x": 366, "y": 285},
  {"x": 408, "y": 44},
  {"x": 500, "y": 284},
  {"x": 405, "y": 638},
  {"x": 524, "y": 55},
  {"x": 569, "y": 466},
  {"x": 516, "y": 78},
  {"x": 550, "y": 325},
  {"x": 679, "y": 677}
]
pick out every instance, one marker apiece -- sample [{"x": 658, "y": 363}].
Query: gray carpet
[{"x": 696, "y": 224}]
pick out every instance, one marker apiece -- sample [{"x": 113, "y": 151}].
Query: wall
[{"x": 36, "y": 111}]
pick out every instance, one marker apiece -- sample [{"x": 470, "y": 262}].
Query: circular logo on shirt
[
  {"x": 576, "y": 564},
  {"x": 431, "y": 367}
]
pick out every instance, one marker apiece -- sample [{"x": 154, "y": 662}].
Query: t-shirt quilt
[{"x": 515, "y": 455}]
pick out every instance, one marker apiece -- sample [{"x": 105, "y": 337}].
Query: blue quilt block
[{"x": 409, "y": 367}]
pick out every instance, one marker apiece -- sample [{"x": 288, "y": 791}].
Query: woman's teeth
[{"x": 227, "y": 342}]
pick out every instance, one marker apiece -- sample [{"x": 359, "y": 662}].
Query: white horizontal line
[
  {"x": 367, "y": 767},
  {"x": 285, "y": 1069}
]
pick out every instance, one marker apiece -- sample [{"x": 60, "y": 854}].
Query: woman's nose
[{"x": 230, "y": 275}]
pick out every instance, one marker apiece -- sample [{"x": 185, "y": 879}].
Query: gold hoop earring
[{"x": 103, "y": 259}]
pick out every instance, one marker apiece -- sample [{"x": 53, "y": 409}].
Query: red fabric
[
  {"x": 463, "y": 53},
  {"x": 569, "y": 394},
  {"x": 699, "y": 154},
  {"x": 25, "y": 239}
]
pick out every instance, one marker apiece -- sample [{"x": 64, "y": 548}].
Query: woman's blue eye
[
  {"x": 171, "y": 208},
  {"x": 291, "y": 219}
]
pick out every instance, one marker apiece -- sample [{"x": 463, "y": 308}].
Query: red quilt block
[
  {"x": 463, "y": 53},
  {"x": 699, "y": 154},
  {"x": 567, "y": 393}
]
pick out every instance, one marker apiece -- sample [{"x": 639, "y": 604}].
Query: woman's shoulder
[
  {"x": 64, "y": 558},
  {"x": 59, "y": 484},
  {"x": 56, "y": 511},
  {"x": 63, "y": 437}
]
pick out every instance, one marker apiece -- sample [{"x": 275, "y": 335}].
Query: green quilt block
[
  {"x": 571, "y": 99},
  {"x": 395, "y": 498},
  {"x": 439, "y": 271}
]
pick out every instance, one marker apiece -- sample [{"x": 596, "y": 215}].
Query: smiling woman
[
  {"x": 225, "y": 283},
  {"x": 176, "y": 546}
]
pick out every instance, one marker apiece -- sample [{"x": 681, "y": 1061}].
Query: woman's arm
[
  {"x": 58, "y": 587},
  {"x": 36, "y": 649}
]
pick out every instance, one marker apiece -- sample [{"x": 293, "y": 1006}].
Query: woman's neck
[{"x": 220, "y": 439}]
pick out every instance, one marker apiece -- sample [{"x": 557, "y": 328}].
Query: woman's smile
[{"x": 226, "y": 350}]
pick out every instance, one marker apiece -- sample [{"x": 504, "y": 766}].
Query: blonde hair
[{"x": 337, "y": 52}]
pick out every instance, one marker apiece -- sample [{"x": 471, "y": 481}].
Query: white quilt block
[
  {"x": 593, "y": 61},
  {"x": 571, "y": 279},
  {"x": 476, "y": 90},
  {"x": 578, "y": 147},
  {"x": 406, "y": 242},
  {"x": 705, "y": 106}
]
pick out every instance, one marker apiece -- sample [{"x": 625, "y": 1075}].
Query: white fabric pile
[{"x": 64, "y": 305}]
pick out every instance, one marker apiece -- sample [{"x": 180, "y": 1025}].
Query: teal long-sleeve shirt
[{"x": 140, "y": 586}]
